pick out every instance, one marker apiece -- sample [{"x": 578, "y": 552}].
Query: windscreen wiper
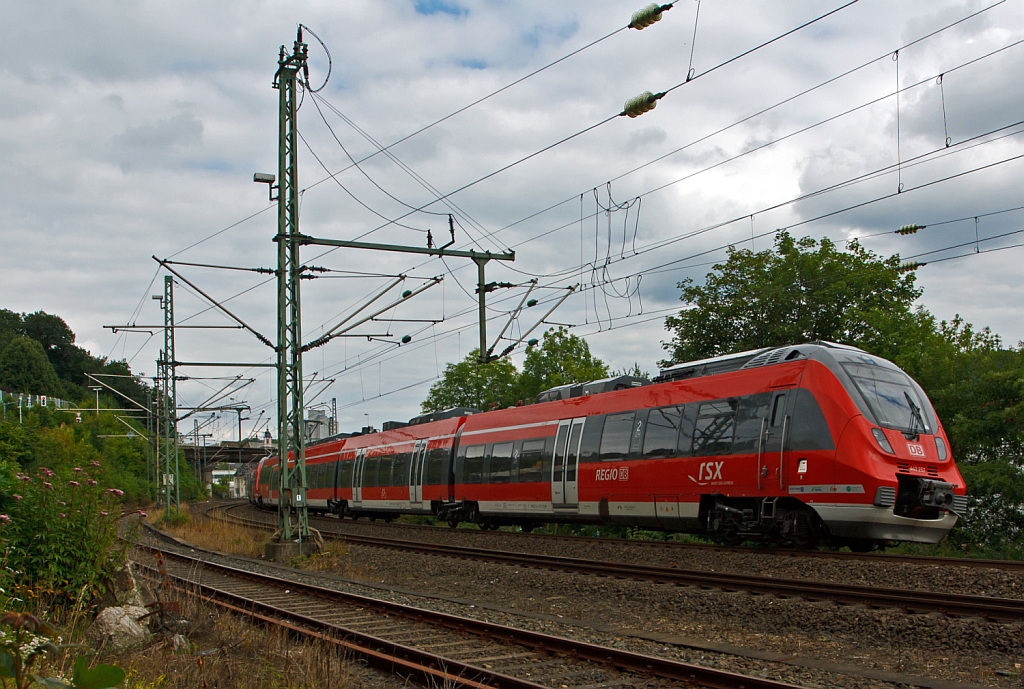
[{"x": 916, "y": 420}]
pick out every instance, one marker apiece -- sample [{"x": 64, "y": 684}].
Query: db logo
[
  {"x": 915, "y": 450},
  {"x": 617, "y": 474}
]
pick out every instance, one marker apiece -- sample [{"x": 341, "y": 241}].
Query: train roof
[{"x": 755, "y": 358}]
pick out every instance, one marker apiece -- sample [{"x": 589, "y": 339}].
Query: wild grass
[
  {"x": 232, "y": 539},
  {"x": 218, "y": 648}
]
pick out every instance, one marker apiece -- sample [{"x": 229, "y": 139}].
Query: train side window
[
  {"x": 713, "y": 432},
  {"x": 531, "y": 461},
  {"x": 808, "y": 427},
  {"x": 370, "y": 471},
  {"x": 750, "y": 414},
  {"x": 637, "y": 437},
  {"x": 500, "y": 467},
  {"x": 778, "y": 410},
  {"x": 345, "y": 473},
  {"x": 437, "y": 459},
  {"x": 473, "y": 464},
  {"x": 590, "y": 444},
  {"x": 662, "y": 434},
  {"x": 618, "y": 429},
  {"x": 384, "y": 477},
  {"x": 400, "y": 474}
]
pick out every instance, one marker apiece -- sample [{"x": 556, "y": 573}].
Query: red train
[{"x": 801, "y": 445}]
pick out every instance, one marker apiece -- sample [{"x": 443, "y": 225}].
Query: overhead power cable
[
  {"x": 737, "y": 123},
  {"x": 612, "y": 117}
]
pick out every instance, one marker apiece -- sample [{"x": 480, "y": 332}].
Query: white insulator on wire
[
  {"x": 647, "y": 16},
  {"x": 638, "y": 105}
]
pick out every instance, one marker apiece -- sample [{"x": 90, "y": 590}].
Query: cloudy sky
[{"x": 132, "y": 128}]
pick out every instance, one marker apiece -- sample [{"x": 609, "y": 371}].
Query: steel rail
[
  {"x": 909, "y": 600},
  {"x": 414, "y": 661},
  {"x": 971, "y": 562}
]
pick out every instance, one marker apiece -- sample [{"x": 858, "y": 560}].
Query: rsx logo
[{"x": 710, "y": 471}]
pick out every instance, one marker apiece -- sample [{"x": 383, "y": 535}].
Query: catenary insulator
[
  {"x": 910, "y": 266},
  {"x": 647, "y": 16},
  {"x": 638, "y": 105},
  {"x": 910, "y": 229}
]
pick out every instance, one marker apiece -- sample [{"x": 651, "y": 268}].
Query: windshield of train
[{"x": 893, "y": 398}]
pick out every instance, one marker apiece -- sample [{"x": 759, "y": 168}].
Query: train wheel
[
  {"x": 453, "y": 523},
  {"x": 730, "y": 536}
]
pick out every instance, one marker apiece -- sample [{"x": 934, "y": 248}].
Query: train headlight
[
  {"x": 940, "y": 446},
  {"x": 883, "y": 442}
]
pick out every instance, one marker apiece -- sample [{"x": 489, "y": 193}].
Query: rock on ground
[{"x": 118, "y": 629}]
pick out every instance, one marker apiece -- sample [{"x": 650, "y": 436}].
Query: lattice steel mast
[{"x": 292, "y": 514}]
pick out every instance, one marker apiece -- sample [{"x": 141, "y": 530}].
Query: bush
[
  {"x": 58, "y": 532},
  {"x": 994, "y": 523}
]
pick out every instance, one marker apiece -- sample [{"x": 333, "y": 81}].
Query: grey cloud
[{"x": 109, "y": 86}]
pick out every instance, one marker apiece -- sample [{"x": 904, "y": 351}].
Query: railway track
[
  {"x": 973, "y": 563},
  {"x": 433, "y": 648},
  {"x": 912, "y": 601}
]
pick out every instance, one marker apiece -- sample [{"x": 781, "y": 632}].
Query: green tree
[
  {"x": 800, "y": 290},
  {"x": 25, "y": 368},
  {"x": 561, "y": 359},
  {"x": 10, "y": 327},
  {"x": 470, "y": 384}
]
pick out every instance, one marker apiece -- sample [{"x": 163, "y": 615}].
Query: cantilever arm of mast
[
  {"x": 405, "y": 297},
  {"x": 512, "y": 317},
  {"x": 215, "y": 303},
  {"x": 226, "y": 364},
  {"x": 93, "y": 379},
  {"x": 522, "y": 337},
  {"x": 387, "y": 288},
  {"x": 506, "y": 256}
]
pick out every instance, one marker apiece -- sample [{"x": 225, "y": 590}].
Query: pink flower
[
  {"x": 48, "y": 486},
  {"x": 22, "y": 477},
  {"x": 5, "y": 519},
  {"x": 115, "y": 491},
  {"x": 62, "y": 515},
  {"x": 17, "y": 497},
  {"x": 76, "y": 484},
  {"x": 92, "y": 482},
  {"x": 143, "y": 514},
  {"x": 103, "y": 514},
  {"x": 95, "y": 464},
  {"x": 46, "y": 472},
  {"x": 76, "y": 469}
]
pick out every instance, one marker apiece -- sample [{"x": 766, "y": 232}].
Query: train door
[
  {"x": 357, "y": 478},
  {"x": 564, "y": 490},
  {"x": 772, "y": 444},
  {"x": 419, "y": 455}
]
